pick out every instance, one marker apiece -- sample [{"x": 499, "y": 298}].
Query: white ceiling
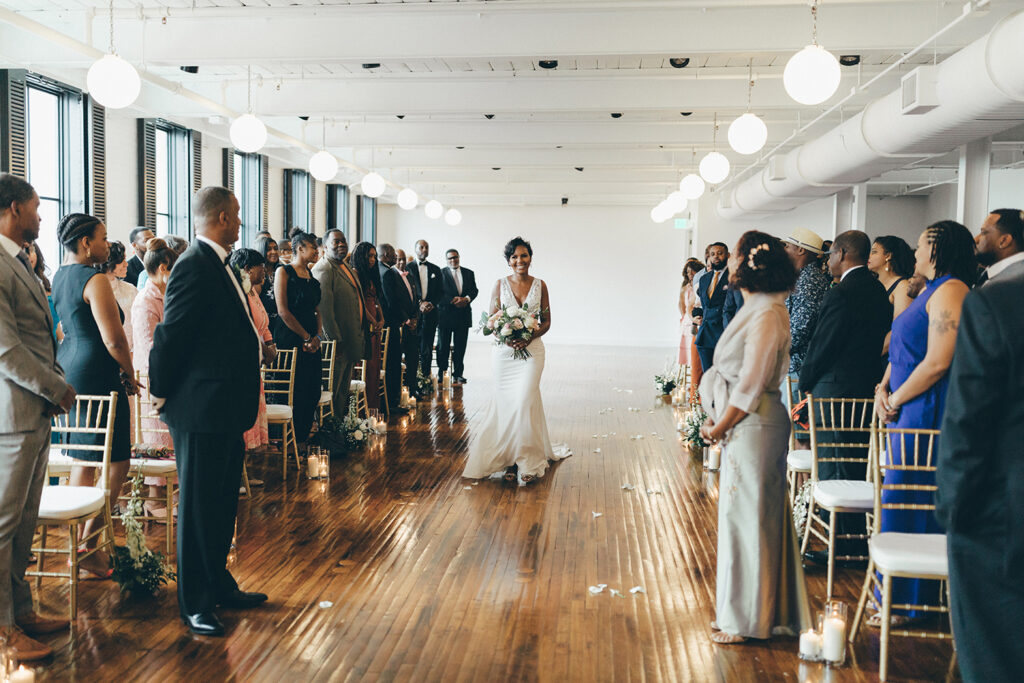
[{"x": 445, "y": 65}]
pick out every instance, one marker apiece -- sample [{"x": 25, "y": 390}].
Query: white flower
[
  {"x": 357, "y": 435},
  {"x": 506, "y": 330},
  {"x": 531, "y": 323},
  {"x": 246, "y": 283}
]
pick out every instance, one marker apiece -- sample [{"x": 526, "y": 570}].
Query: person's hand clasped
[
  {"x": 709, "y": 432},
  {"x": 131, "y": 385},
  {"x": 269, "y": 353},
  {"x": 312, "y": 346},
  {"x": 518, "y": 344},
  {"x": 885, "y": 408}
]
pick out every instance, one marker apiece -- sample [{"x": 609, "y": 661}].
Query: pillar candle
[
  {"x": 715, "y": 457},
  {"x": 810, "y": 645},
  {"x": 22, "y": 675},
  {"x": 834, "y": 639}
]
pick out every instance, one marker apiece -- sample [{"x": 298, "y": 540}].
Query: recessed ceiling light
[
  {"x": 548, "y": 63},
  {"x": 400, "y": 116},
  {"x": 679, "y": 62},
  {"x": 460, "y": 148},
  {"x": 488, "y": 116},
  {"x": 190, "y": 69},
  {"x": 617, "y": 115},
  {"x": 304, "y": 118},
  {"x": 686, "y": 113},
  {"x": 371, "y": 65},
  {"x": 495, "y": 168},
  {"x": 578, "y": 168},
  {"x": 849, "y": 60}
]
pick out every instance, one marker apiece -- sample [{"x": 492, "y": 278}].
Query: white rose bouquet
[{"x": 512, "y": 323}]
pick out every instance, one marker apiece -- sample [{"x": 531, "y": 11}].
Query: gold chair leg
[
  {"x": 883, "y": 649},
  {"x": 39, "y": 557},
  {"x": 73, "y": 555},
  {"x": 831, "y": 553},
  {"x": 245, "y": 480},
  {"x": 169, "y": 491},
  {"x": 862, "y": 603}
]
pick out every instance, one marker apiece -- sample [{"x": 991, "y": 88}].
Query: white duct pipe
[{"x": 980, "y": 91}]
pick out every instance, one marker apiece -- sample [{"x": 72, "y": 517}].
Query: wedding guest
[
  {"x": 760, "y": 585},
  {"x": 803, "y": 247},
  {"x": 284, "y": 252},
  {"x": 1000, "y": 244},
  {"x": 426, "y": 282},
  {"x": 711, "y": 290},
  {"x": 176, "y": 244},
  {"x": 342, "y": 312},
  {"x": 298, "y": 294},
  {"x": 456, "y": 316},
  {"x": 95, "y": 356},
  {"x": 138, "y": 237},
  {"x": 115, "y": 268},
  {"x": 844, "y": 360},
  {"x": 892, "y": 261},
  {"x": 147, "y": 313},
  {"x": 32, "y": 389},
  {"x": 687, "y": 300},
  {"x": 400, "y": 317},
  {"x": 912, "y": 393},
  {"x": 733, "y": 303},
  {"x": 364, "y": 262},
  {"x": 38, "y": 265},
  {"x": 400, "y": 259},
  {"x": 826, "y": 248},
  {"x": 980, "y": 482},
  {"x": 204, "y": 378}
]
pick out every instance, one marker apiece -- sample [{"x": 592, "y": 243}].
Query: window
[
  {"x": 248, "y": 176},
  {"x": 297, "y": 200},
  {"x": 337, "y": 209},
  {"x": 173, "y": 198},
  {"x": 366, "y": 218}
]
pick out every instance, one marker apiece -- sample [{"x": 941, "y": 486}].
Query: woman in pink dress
[
  {"x": 249, "y": 266},
  {"x": 148, "y": 312}
]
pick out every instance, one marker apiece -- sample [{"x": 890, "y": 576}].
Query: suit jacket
[
  {"x": 713, "y": 323},
  {"x": 401, "y": 306},
  {"x": 30, "y": 378},
  {"x": 340, "y": 302},
  {"x": 846, "y": 348},
  {"x": 205, "y": 359},
  {"x": 980, "y": 465},
  {"x": 135, "y": 267},
  {"x": 453, "y": 316},
  {"x": 434, "y": 293},
  {"x": 733, "y": 303}
]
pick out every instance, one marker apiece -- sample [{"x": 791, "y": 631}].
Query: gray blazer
[
  {"x": 339, "y": 310},
  {"x": 30, "y": 377}
]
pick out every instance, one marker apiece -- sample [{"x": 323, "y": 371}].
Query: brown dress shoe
[
  {"x": 28, "y": 650},
  {"x": 34, "y": 625}
]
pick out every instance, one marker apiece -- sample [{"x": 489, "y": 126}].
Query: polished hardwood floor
[{"x": 398, "y": 569}]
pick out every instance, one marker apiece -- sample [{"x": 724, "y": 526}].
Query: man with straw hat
[{"x": 804, "y": 249}]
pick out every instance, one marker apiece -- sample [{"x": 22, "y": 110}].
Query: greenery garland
[{"x": 137, "y": 569}]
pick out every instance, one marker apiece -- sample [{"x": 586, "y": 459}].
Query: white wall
[
  {"x": 612, "y": 274},
  {"x": 1006, "y": 190},
  {"x": 122, "y": 175}
]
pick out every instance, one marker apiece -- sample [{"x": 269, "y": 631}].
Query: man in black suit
[
  {"x": 426, "y": 281},
  {"x": 456, "y": 315},
  {"x": 733, "y": 304},
  {"x": 400, "y": 316},
  {"x": 205, "y": 369},
  {"x": 1000, "y": 245},
  {"x": 844, "y": 359},
  {"x": 138, "y": 237},
  {"x": 980, "y": 500},
  {"x": 711, "y": 290}
]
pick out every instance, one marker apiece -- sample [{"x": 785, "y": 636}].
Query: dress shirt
[
  {"x": 999, "y": 266},
  {"x": 843, "y": 276},
  {"x": 424, "y": 275},
  {"x": 458, "y": 280},
  {"x": 223, "y": 255},
  {"x": 405, "y": 281},
  {"x": 10, "y": 246}
]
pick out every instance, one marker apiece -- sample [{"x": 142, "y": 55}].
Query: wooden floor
[{"x": 400, "y": 570}]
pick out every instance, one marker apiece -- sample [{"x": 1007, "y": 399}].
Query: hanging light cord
[
  {"x": 814, "y": 22},
  {"x": 248, "y": 80},
  {"x": 714, "y": 134},
  {"x": 111, "y": 14},
  {"x": 750, "y": 77}
]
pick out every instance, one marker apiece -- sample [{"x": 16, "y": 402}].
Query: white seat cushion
[
  {"x": 278, "y": 413},
  {"x": 799, "y": 461},
  {"x": 325, "y": 397},
  {"x": 69, "y": 502},
  {"x": 357, "y": 386},
  {"x": 845, "y": 493},
  {"x": 919, "y": 554},
  {"x": 154, "y": 468}
]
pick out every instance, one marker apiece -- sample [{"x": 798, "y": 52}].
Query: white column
[
  {"x": 849, "y": 211},
  {"x": 972, "y": 183}
]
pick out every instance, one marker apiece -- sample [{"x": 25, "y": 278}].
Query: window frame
[
  {"x": 298, "y": 200},
  {"x": 179, "y": 179},
  {"x": 249, "y": 189}
]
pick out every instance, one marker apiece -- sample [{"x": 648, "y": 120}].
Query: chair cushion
[
  {"x": 357, "y": 386},
  {"x": 278, "y": 413},
  {"x": 155, "y": 468},
  {"x": 69, "y": 502},
  {"x": 326, "y": 397},
  {"x": 919, "y": 554},
  {"x": 799, "y": 460},
  {"x": 845, "y": 493}
]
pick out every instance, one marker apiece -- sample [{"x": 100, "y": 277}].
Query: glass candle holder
[
  {"x": 324, "y": 462},
  {"x": 833, "y": 633},
  {"x": 714, "y": 462},
  {"x": 313, "y": 460}
]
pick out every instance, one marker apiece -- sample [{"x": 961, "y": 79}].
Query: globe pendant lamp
[
  {"x": 111, "y": 80},
  {"x": 660, "y": 213},
  {"x": 812, "y": 75},
  {"x": 247, "y": 133},
  {"x": 714, "y": 167},
  {"x": 407, "y": 199},
  {"x": 691, "y": 186},
  {"x": 322, "y": 165},
  {"x": 676, "y": 202},
  {"x": 452, "y": 216},
  {"x": 373, "y": 184},
  {"x": 747, "y": 133},
  {"x": 433, "y": 209}
]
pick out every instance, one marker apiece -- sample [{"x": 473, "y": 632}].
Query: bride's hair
[{"x": 514, "y": 244}]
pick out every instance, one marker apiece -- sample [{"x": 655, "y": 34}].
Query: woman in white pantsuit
[{"x": 760, "y": 587}]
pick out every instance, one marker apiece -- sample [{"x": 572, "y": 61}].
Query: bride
[{"x": 512, "y": 440}]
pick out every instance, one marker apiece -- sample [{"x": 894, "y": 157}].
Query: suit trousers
[
  {"x": 342, "y": 385},
  {"x": 393, "y": 368},
  {"x": 209, "y": 474},
  {"x": 707, "y": 355},
  {"x": 427, "y": 329},
  {"x": 457, "y": 350},
  {"x": 23, "y": 457}
]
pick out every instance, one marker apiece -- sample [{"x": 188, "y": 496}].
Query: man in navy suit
[
  {"x": 426, "y": 281},
  {"x": 401, "y": 315},
  {"x": 456, "y": 315},
  {"x": 712, "y": 292},
  {"x": 205, "y": 368}
]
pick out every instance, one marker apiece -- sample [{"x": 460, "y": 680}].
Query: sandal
[
  {"x": 511, "y": 473},
  {"x": 723, "y": 638},
  {"x": 528, "y": 478}
]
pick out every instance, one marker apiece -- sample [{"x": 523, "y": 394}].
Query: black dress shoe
[
  {"x": 204, "y": 624},
  {"x": 241, "y": 600},
  {"x": 461, "y": 380}
]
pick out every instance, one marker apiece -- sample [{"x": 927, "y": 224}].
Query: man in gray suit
[
  {"x": 1000, "y": 245},
  {"x": 32, "y": 389},
  {"x": 342, "y": 314}
]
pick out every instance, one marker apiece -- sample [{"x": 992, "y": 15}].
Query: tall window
[
  {"x": 173, "y": 198},
  {"x": 249, "y": 191},
  {"x": 337, "y": 210},
  {"x": 366, "y": 215},
  {"x": 297, "y": 203}
]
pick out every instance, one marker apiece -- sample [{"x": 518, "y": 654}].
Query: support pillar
[
  {"x": 972, "y": 183},
  {"x": 850, "y": 209}
]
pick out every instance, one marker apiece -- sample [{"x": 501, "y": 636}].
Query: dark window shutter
[
  {"x": 147, "y": 173},
  {"x": 312, "y": 205},
  {"x": 228, "y": 168},
  {"x": 12, "y": 117},
  {"x": 358, "y": 232},
  {"x": 197, "y": 161},
  {"x": 265, "y": 180},
  {"x": 287, "y": 200},
  {"x": 97, "y": 160}
]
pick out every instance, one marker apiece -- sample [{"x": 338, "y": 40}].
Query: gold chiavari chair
[
  {"x": 382, "y": 388},
  {"x": 798, "y": 461},
  {"x": 357, "y": 388},
  {"x": 842, "y": 419},
  {"x": 326, "y": 405},
  {"x": 70, "y": 507},
  {"x": 903, "y": 555},
  {"x": 145, "y": 422},
  {"x": 279, "y": 383}
]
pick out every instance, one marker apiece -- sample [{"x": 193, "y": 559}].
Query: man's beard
[{"x": 986, "y": 258}]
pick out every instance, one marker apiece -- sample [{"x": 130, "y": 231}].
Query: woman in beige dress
[{"x": 760, "y": 588}]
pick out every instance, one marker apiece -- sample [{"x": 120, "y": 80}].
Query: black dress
[
  {"x": 88, "y": 366},
  {"x": 303, "y": 298}
]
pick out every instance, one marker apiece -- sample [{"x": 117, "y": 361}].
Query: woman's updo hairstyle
[
  {"x": 901, "y": 256},
  {"x": 245, "y": 258},
  {"x": 74, "y": 227},
  {"x": 115, "y": 257},
  {"x": 953, "y": 251},
  {"x": 158, "y": 253},
  {"x": 763, "y": 266},
  {"x": 299, "y": 238},
  {"x": 514, "y": 244}
]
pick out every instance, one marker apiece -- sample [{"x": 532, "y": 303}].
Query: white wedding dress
[{"x": 514, "y": 430}]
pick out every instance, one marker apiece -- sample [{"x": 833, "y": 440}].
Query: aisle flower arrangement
[
  {"x": 424, "y": 384},
  {"x": 666, "y": 382},
  {"x": 802, "y": 507},
  {"x": 138, "y": 570},
  {"x": 511, "y": 323},
  {"x": 350, "y": 432},
  {"x": 695, "y": 419}
]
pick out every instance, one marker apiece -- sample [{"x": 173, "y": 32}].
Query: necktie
[
  {"x": 983, "y": 279},
  {"x": 714, "y": 283},
  {"x": 458, "y": 281}
]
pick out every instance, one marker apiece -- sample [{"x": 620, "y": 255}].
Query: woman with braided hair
[{"x": 95, "y": 354}]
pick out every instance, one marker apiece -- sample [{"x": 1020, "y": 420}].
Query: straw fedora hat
[{"x": 807, "y": 239}]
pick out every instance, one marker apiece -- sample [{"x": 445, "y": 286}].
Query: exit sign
[{"x": 682, "y": 223}]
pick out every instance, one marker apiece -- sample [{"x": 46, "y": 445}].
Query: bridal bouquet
[{"x": 511, "y": 323}]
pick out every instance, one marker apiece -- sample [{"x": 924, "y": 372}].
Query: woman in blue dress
[{"x": 912, "y": 394}]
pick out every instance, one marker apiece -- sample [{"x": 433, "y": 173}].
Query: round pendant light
[
  {"x": 714, "y": 167},
  {"x": 113, "y": 82},
  {"x": 676, "y": 202},
  {"x": 692, "y": 186},
  {"x": 323, "y": 166},
  {"x": 452, "y": 216},
  {"x": 660, "y": 213},
  {"x": 248, "y": 134},
  {"x": 407, "y": 199},
  {"x": 747, "y": 134},
  {"x": 811, "y": 75},
  {"x": 373, "y": 184},
  {"x": 433, "y": 209}
]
